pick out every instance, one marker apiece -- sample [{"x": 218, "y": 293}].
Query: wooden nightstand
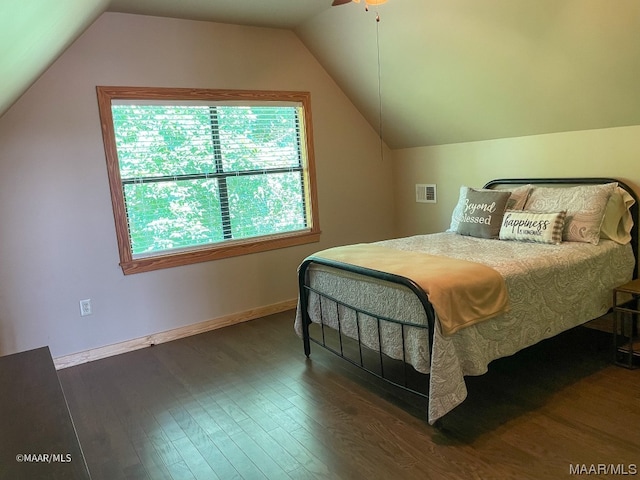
[{"x": 626, "y": 311}]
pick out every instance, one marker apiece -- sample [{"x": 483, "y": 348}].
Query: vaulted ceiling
[{"x": 446, "y": 71}]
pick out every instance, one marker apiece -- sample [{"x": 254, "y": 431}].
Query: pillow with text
[{"x": 528, "y": 226}]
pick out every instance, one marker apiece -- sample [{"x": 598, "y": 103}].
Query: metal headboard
[{"x": 569, "y": 181}]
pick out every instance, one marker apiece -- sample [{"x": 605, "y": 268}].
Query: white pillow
[
  {"x": 528, "y": 226},
  {"x": 585, "y": 206},
  {"x": 618, "y": 222}
]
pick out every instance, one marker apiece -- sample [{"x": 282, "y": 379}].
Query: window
[{"x": 197, "y": 175}]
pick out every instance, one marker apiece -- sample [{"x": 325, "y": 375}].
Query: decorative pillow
[
  {"x": 617, "y": 221},
  {"x": 457, "y": 210},
  {"x": 585, "y": 206},
  {"x": 482, "y": 213},
  {"x": 528, "y": 226},
  {"x": 519, "y": 196}
]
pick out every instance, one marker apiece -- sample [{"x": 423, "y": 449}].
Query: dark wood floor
[{"x": 243, "y": 402}]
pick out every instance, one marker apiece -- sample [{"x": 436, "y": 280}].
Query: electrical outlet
[{"x": 85, "y": 307}]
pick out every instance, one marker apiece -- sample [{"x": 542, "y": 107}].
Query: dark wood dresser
[{"x": 37, "y": 437}]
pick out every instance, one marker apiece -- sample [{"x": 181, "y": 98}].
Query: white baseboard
[{"x": 162, "y": 337}]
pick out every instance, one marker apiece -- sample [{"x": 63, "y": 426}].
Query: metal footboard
[{"x": 352, "y": 349}]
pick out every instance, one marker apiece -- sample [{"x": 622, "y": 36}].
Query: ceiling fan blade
[{"x": 339, "y": 2}]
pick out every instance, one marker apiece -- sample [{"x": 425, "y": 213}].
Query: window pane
[
  {"x": 258, "y": 137},
  {"x": 175, "y": 214},
  {"x": 266, "y": 204},
  {"x": 160, "y": 140}
]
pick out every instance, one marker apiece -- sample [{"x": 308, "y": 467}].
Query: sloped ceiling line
[{"x": 452, "y": 71}]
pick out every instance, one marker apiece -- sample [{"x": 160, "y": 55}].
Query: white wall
[{"x": 57, "y": 238}]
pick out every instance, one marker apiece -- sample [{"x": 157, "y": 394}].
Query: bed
[{"x": 425, "y": 311}]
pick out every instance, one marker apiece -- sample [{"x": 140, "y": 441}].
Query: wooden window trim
[{"x": 225, "y": 249}]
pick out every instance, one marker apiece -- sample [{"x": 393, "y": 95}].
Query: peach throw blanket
[{"x": 462, "y": 292}]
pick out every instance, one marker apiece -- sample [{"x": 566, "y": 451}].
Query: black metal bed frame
[
  {"x": 360, "y": 362},
  {"x": 359, "y": 358}
]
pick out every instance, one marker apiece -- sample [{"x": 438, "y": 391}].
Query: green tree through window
[{"x": 206, "y": 173}]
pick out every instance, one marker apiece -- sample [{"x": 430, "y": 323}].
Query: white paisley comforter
[{"x": 551, "y": 288}]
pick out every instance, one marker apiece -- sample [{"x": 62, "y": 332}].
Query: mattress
[{"x": 551, "y": 288}]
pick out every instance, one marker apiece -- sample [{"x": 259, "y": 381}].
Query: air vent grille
[{"x": 426, "y": 193}]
